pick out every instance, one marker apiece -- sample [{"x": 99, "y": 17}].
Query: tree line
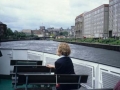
[
  {"x": 16, "y": 35},
  {"x": 9, "y": 34}
]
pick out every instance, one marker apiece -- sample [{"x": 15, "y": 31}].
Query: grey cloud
[
  {"x": 16, "y": 7},
  {"x": 14, "y": 26},
  {"x": 77, "y": 4},
  {"x": 30, "y": 14},
  {"x": 37, "y": 24},
  {"x": 8, "y": 19}
]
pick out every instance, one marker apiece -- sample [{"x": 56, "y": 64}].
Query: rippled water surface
[{"x": 78, "y": 51}]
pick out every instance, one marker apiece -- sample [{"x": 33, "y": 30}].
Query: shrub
[{"x": 89, "y": 40}]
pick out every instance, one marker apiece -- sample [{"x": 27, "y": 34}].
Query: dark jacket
[{"x": 64, "y": 65}]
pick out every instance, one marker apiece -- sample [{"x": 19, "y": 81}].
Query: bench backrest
[
  {"x": 40, "y": 79},
  {"x": 72, "y": 79},
  {"x": 53, "y": 79},
  {"x": 25, "y": 62},
  {"x": 33, "y": 69}
]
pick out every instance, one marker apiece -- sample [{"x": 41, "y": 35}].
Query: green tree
[
  {"x": 61, "y": 33},
  {"x": 65, "y": 33},
  {"x": 21, "y": 34},
  {"x": 16, "y": 34},
  {"x": 52, "y": 35},
  {"x": 9, "y": 32}
]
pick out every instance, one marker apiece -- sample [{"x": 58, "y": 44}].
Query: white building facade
[
  {"x": 96, "y": 22},
  {"x": 79, "y": 26},
  {"x": 114, "y": 18}
]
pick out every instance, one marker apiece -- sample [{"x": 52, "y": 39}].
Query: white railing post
[
  {"x": 44, "y": 59},
  {"x": 98, "y": 78}
]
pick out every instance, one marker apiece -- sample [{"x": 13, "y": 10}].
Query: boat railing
[{"x": 99, "y": 75}]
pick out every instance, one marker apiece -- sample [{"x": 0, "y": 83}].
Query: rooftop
[{"x": 79, "y": 16}]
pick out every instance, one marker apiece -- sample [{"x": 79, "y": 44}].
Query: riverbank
[
  {"x": 15, "y": 40},
  {"x": 96, "y": 45}
]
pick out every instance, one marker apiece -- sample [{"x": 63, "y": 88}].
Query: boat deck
[{"x": 5, "y": 84}]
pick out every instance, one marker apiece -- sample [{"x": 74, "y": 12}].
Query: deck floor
[{"x": 5, "y": 84}]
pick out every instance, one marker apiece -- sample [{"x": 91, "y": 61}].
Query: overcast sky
[{"x": 30, "y": 14}]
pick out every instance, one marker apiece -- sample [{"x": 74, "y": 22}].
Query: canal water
[{"x": 78, "y": 51}]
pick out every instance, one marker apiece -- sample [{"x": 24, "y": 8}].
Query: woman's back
[{"x": 64, "y": 65}]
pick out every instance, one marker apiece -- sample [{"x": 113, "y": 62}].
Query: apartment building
[
  {"x": 114, "y": 18},
  {"x": 3, "y": 28},
  {"x": 96, "y": 22},
  {"x": 79, "y": 26},
  {"x": 71, "y": 32},
  {"x": 37, "y": 33},
  {"x": 27, "y": 31},
  {"x": 54, "y": 31}
]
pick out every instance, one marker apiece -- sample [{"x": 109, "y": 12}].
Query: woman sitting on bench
[{"x": 64, "y": 65}]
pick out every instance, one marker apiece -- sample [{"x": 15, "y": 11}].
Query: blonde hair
[{"x": 64, "y": 49}]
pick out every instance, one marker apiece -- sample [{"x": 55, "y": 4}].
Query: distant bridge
[{"x": 43, "y": 38}]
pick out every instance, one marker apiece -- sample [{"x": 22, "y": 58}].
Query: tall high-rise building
[
  {"x": 79, "y": 26},
  {"x": 114, "y": 18},
  {"x": 96, "y": 22}
]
